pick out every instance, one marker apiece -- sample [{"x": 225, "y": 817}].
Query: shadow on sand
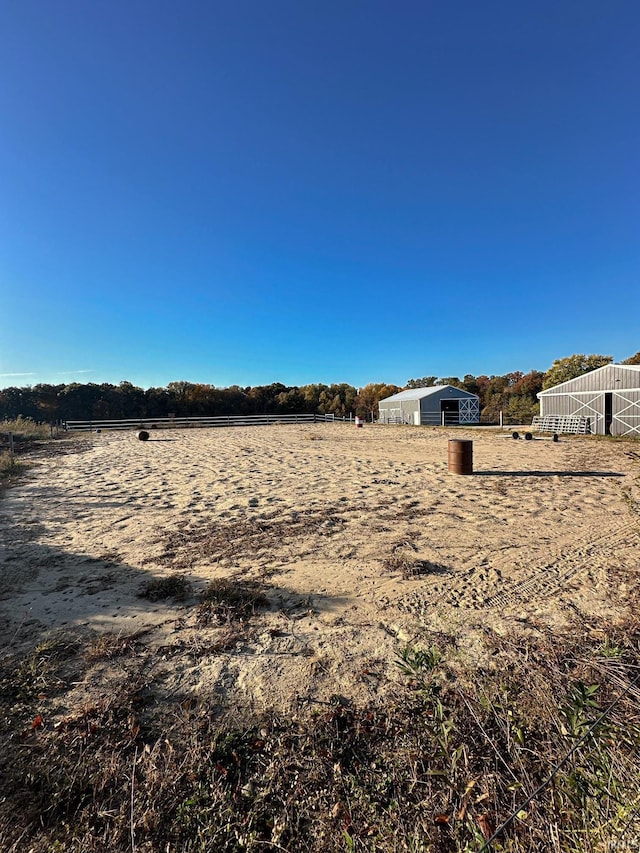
[
  {"x": 44, "y": 587},
  {"x": 547, "y": 474}
]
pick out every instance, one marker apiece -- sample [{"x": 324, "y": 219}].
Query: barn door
[
  {"x": 450, "y": 409},
  {"x": 608, "y": 413}
]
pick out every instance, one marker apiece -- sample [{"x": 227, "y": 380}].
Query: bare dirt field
[{"x": 343, "y": 545}]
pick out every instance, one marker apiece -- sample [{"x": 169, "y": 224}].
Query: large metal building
[
  {"x": 608, "y": 396},
  {"x": 434, "y": 405}
]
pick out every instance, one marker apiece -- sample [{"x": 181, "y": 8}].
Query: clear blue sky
[{"x": 249, "y": 191}]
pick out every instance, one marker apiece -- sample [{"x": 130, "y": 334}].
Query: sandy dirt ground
[{"x": 361, "y": 540}]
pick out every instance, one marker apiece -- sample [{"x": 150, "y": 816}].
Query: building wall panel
[
  {"x": 626, "y": 413},
  {"x": 605, "y": 379}
]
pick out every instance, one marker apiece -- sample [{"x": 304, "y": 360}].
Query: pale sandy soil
[{"x": 363, "y": 540}]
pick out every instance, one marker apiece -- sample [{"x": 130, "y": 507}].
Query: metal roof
[
  {"x": 421, "y": 393},
  {"x": 578, "y": 380}
]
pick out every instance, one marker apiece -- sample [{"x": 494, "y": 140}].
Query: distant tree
[
  {"x": 521, "y": 409},
  {"x": 513, "y": 378},
  {"x": 157, "y": 403},
  {"x": 483, "y": 382},
  {"x": 564, "y": 369},
  {"x": 131, "y": 400},
  {"x": 425, "y": 382},
  {"x": 337, "y": 399},
  {"x": 634, "y": 359},
  {"x": 77, "y": 401},
  {"x": 514, "y": 394},
  {"x": 18, "y": 401},
  {"x": 264, "y": 398},
  {"x": 179, "y": 397},
  {"x": 232, "y": 400},
  {"x": 290, "y": 401},
  {"x": 471, "y": 384},
  {"x": 451, "y": 380},
  {"x": 369, "y": 397},
  {"x": 47, "y": 400},
  {"x": 529, "y": 385},
  {"x": 495, "y": 397},
  {"x": 311, "y": 396}
]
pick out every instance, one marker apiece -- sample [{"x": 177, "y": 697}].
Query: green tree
[
  {"x": 157, "y": 403},
  {"x": 47, "y": 400},
  {"x": 451, "y": 380},
  {"x": 634, "y": 359},
  {"x": 311, "y": 395},
  {"x": 77, "y": 401},
  {"x": 18, "y": 401},
  {"x": 425, "y": 382},
  {"x": 337, "y": 399},
  {"x": 131, "y": 400},
  {"x": 290, "y": 401},
  {"x": 564, "y": 369},
  {"x": 521, "y": 409},
  {"x": 471, "y": 384},
  {"x": 179, "y": 392}
]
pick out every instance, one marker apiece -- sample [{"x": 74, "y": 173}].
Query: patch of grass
[
  {"x": 9, "y": 466},
  {"x": 175, "y": 586},
  {"x": 435, "y": 770},
  {"x": 409, "y": 566},
  {"x": 31, "y": 440},
  {"x": 616, "y": 439},
  {"x": 26, "y": 429},
  {"x": 227, "y": 600},
  {"x": 109, "y": 645},
  {"x": 438, "y": 768},
  {"x": 42, "y": 671},
  {"x": 245, "y": 537}
]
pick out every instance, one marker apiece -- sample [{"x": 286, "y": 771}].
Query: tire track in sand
[{"x": 548, "y": 579}]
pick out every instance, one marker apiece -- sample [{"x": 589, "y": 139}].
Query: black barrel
[
  {"x": 460, "y": 456},
  {"x": 143, "y": 435}
]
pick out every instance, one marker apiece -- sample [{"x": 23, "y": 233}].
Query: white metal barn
[
  {"x": 608, "y": 396},
  {"x": 434, "y": 405}
]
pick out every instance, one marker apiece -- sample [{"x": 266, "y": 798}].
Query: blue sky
[{"x": 251, "y": 191}]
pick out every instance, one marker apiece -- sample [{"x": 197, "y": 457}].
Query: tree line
[{"x": 514, "y": 394}]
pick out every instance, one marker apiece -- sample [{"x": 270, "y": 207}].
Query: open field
[{"x": 282, "y": 572}]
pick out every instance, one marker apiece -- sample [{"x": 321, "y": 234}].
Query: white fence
[
  {"x": 562, "y": 423},
  {"x": 182, "y": 423},
  {"x": 430, "y": 419}
]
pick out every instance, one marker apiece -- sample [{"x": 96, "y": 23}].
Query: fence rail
[
  {"x": 450, "y": 419},
  {"x": 217, "y": 421}
]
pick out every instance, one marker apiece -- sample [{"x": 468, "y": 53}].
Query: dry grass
[
  {"x": 9, "y": 465},
  {"x": 32, "y": 440},
  {"x": 26, "y": 429},
  {"x": 438, "y": 769},
  {"x": 409, "y": 566},
  {"x": 175, "y": 586},
  {"x": 230, "y": 600},
  {"x": 457, "y": 753},
  {"x": 403, "y": 561},
  {"x": 217, "y": 541},
  {"x": 109, "y": 645}
]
